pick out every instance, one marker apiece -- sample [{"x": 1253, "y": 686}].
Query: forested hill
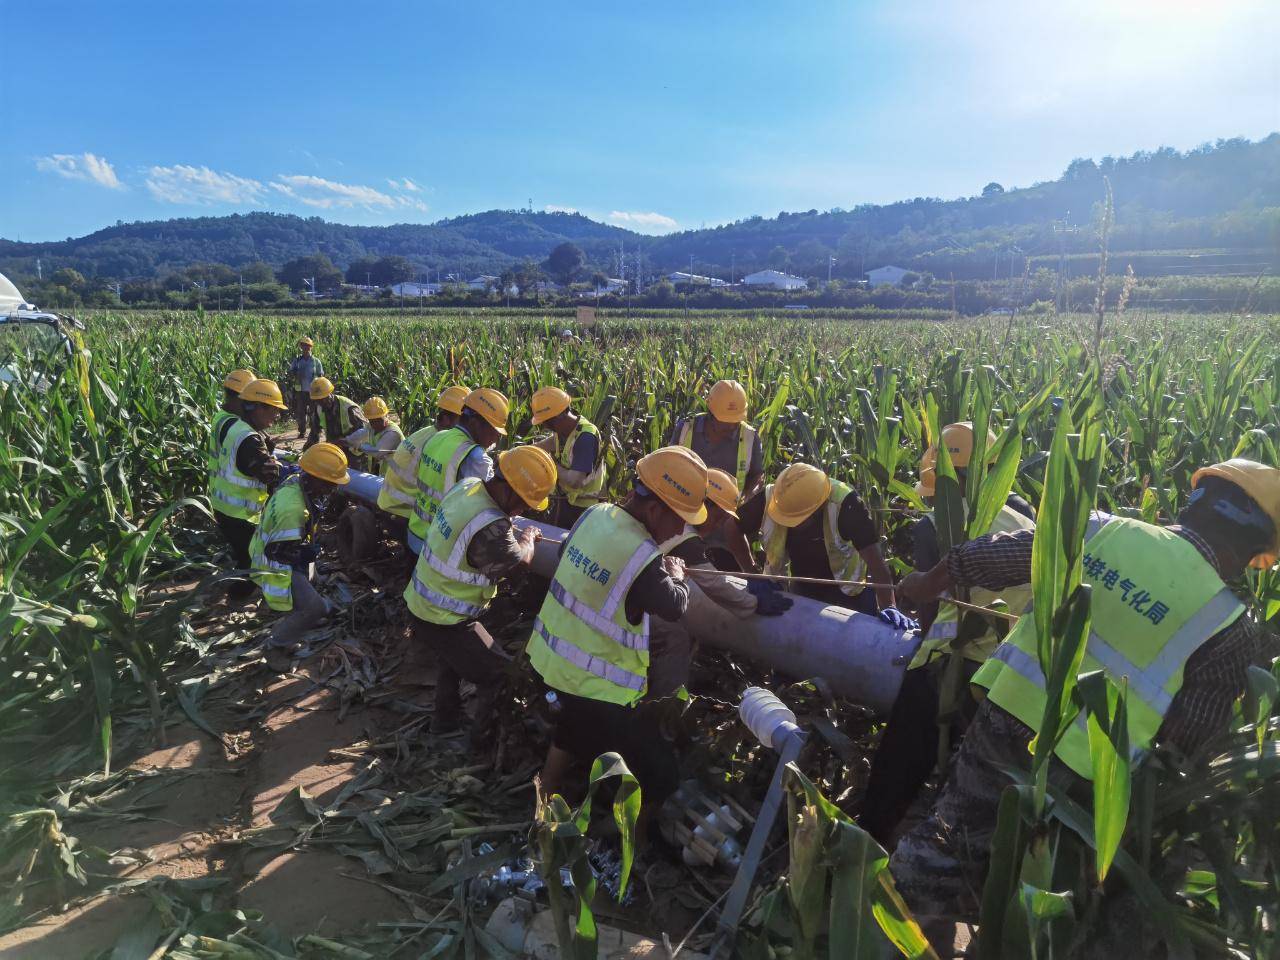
[{"x": 1223, "y": 198}]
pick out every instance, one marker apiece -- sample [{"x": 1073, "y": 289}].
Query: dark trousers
[
  {"x": 908, "y": 750},
  {"x": 238, "y": 533},
  {"x": 463, "y": 651},
  {"x": 587, "y": 728},
  {"x": 565, "y": 514},
  {"x": 302, "y": 411}
]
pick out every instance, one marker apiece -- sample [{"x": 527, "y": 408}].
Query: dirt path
[{"x": 202, "y": 795}]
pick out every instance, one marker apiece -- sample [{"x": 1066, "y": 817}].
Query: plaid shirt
[{"x": 1214, "y": 676}]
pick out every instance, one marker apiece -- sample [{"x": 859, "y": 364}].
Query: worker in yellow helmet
[
  {"x": 590, "y": 642},
  {"x": 814, "y": 526},
  {"x": 671, "y": 646},
  {"x": 243, "y": 470},
  {"x": 230, "y": 408},
  {"x": 400, "y": 490},
  {"x": 574, "y": 443},
  {"x": 339, "y": 418},
  {"x": 457, "y": 453},
  {"x": 908, "y": 750},
  {"x": 303, "y": 370},
  {"x": 470, "y": 546},
  {"x": 283, "y": 549},
  {"x": 1163, "y": 622},
  {"x": 361, "y": 528},
  {"x": 723, "y": 438}
]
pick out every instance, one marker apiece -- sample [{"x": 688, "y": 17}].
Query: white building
[
  {"x": 697, "y": 280},
  {"x": 886, "y": 276},
  {"x": 483, "y": 282},
  {"x": 412, "y": 289},
  {"x": 775, "y": 279}
]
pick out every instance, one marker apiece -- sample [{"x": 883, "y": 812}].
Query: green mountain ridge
[{"x": 1222, "y": 199}]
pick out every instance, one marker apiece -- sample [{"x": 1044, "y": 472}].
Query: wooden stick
[{"x": 1012, "y": 618}]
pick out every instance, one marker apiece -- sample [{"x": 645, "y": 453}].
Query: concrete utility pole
[{"x": 830, "y": 263}]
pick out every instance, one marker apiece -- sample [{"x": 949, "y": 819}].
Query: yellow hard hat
[
  {"x": 530, "y": 472},
  {"x": 925, "y": 486},
  {"x": 237, "y": 380},
  {"x": 549, "y": 402},
  {"x": 959, "y": 440},
  {"x": 264, "y": 391},
  {"x": 306, "y": 342},
  {"x": 1262, "y": 484},
  {"x": 722, "y": 490},
  {"x": 678, "y": 477},
  {"x": 451, "y": 398},
  {"x": 321, "y": 387},
  {"x": 727, "y": 401},
  {"x": 375, "y": 408},
  {"x": 799, "y": 490},
  {"x": 325, "y": 461},
  {"x": 490, "y": 404}
]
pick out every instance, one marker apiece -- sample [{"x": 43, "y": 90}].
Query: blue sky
[{"x": 656, "y": 116}]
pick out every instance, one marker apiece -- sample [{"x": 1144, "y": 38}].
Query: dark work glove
[
  {"x": 897, "y": 619},
  {"x": 770, "y": 601},
  {"x": 308, "y": 553}
]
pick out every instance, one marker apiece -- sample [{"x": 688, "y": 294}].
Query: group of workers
[{"x": 608, "y": 643}]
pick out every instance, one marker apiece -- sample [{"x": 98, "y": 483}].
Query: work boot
[{"x": 279, "y": 659}]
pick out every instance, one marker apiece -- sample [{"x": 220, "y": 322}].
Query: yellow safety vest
[
  {"x": 400, "y": 490},
  {"x": 437, "y": 473},
  {"x": 231, "y": 492},
  {"x": 582, "y": 641},
  {"x": 589, "y": 492},
  {"x": 1155, "y": 600},
  {"x": 746, "y": 441},
  {"x": 445, "y": 587},
  {"x": 285, "y": 518},
  {"x": 845, "y": 561},
  {"x": 375, "y": 440},
  {"x": 345, "y": 423},
  {"x": 937, "y": 642}
]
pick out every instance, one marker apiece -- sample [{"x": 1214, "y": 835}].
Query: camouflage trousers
[{"x": 939, "y": 866}]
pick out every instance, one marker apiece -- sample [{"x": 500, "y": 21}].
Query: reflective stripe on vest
[
  {"x": 843, "y": 560},
  {"x": 595, "y": 666},
  {"x": 230, "y": 491},
  {"x": 285, "y": 518},
  {"x": 946, "y": 624},
  {"x": 589, "y": 492},
  {"x": 1143, "y": 631},
  {"x": 445, "y": 588},
  {"x": 583, "y": 642},
  {"x": 437, "y": 473},
  {"x": 400, "y": 490},
  {"x": 746, "y": 441}
]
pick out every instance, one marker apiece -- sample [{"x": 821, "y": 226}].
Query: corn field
[{"x": 102, "y": 479}]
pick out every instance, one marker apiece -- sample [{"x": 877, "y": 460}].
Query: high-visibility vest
[
  {"x": 345, "y": 422},
  {"x": 285, "y": 518},
  {"x": 400, "y": 490},
  {"x": 582, "y": 641},
  {"x": 445, "y": 587},
  {"x": 843, "y": 558},
  {"x": 438, "y": 467},
  {"x": 746, "y": 441},
  {"x": 937, "y": 641},
  {"x": 1155, "y": 600},
  {"x": 589, "y": 492},
  {"x": 220, "y": 418},
  {"x": 375, "y": 440},
  {"x": 231, "y": 492}
]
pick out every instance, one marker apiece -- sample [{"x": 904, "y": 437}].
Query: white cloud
[
  {"x": 84, "y": 166},
  {"x": 556, "y": 208},
  {"x": 326, "y": 194},
  {"x": 200, "y": 185},
  {"x": 405, "y": 184},
  {"x": 643, "y": 222}
]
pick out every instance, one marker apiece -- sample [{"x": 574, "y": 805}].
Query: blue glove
[
  {"x": 898, "y": 620},
  {"x": 770, "y": 601},
  {"x": 288, "y": 470}
]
